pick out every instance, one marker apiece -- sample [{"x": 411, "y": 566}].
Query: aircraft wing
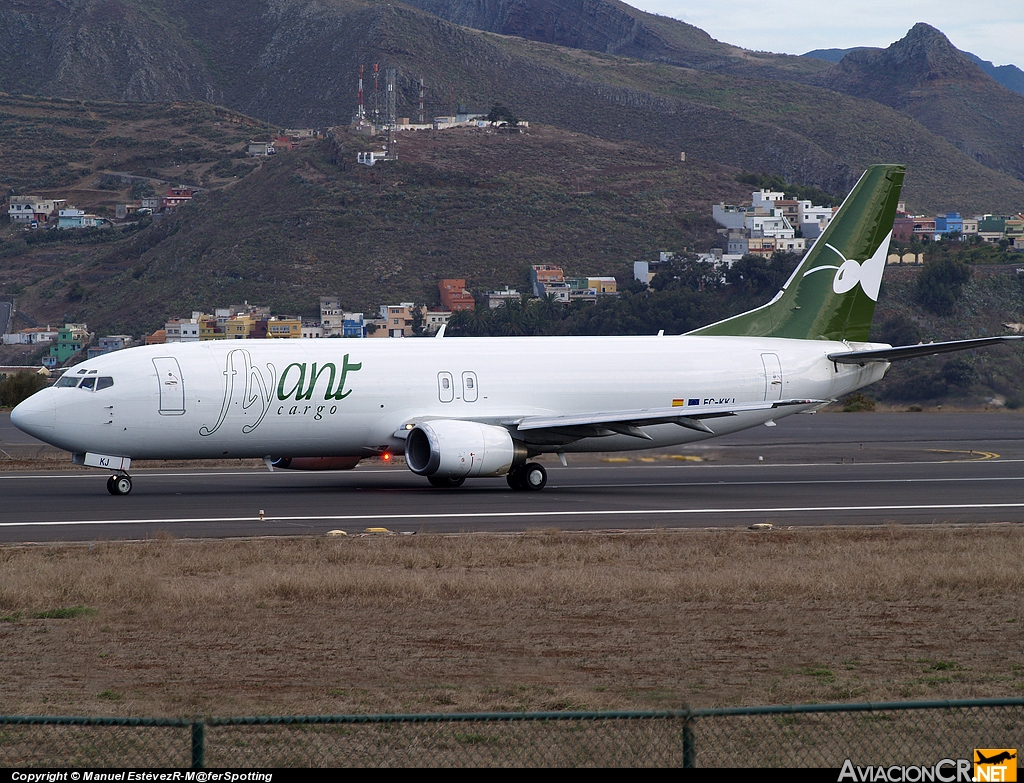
[
  {"x": 629, "y": 422},
  {"x": 913, "y": 351}
]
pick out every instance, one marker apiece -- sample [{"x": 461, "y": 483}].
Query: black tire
[
  {"x": 110, "y": 485},
  {"x": 122, "y": 485},
  {"x": 446, "y": 482},
  {"x": 534, "y": 477},
  {"x": 515, "y": 479}
]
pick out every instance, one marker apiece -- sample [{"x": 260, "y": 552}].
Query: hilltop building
[
  {"x": 238, "y": 322},
  {"x": 109, "y": 344},
  {"x": 33, "y": 336},
  {"x": 77, "y": 218},
  {"x": 770, "y": 224},
  {"x": 71, "y": 339},
  {"x": 454, "y": 295},
  {"x": 24, "y": 210},
  {"x": 495, "y": 298}
]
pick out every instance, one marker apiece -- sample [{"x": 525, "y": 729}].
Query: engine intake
[{"x": 450, "y": 447}]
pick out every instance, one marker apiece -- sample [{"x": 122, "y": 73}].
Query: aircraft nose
[{"x": 35, "y": 416}]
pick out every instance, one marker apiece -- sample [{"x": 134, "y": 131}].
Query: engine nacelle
[
  {"x": 315, "y": 463},
  {"x": 449, "y": 447}
]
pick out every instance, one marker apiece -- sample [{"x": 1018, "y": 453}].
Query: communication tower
[
  {"x": 376, "y": 95},
  {"x": 392, "y": 121},
  {"x": 360, "y": 111}
]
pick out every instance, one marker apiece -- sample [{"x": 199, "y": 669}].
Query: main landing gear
[
  {"x": 119, "y": 484},
  {"x": 529, "y": 477}
]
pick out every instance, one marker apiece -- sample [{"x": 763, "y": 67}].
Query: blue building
[
  {"x": 354, "y": 325},
  {"x": 950, "y": 223}
]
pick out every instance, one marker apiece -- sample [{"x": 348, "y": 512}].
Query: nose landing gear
[{"x": 120, "y": 484}]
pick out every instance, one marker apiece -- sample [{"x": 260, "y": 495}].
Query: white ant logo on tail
[{"x": 868, "y": 274}]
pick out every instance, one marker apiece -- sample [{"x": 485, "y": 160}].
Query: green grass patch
[{"x": 819, "y": 672}]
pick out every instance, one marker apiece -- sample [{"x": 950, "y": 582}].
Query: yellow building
[
  {"x": 209, "y": 329},
  {"x": 284, "y": 327},
  {"x": 239, "y": 327},
  {"x": 603, "y": 285}
]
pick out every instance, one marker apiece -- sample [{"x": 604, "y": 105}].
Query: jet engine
[
  {"x": 315, "y": 463},
  {"x": 460, "y": 449}
]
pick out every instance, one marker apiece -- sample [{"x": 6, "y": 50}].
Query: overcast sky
[{"x": 991, "y": 29}]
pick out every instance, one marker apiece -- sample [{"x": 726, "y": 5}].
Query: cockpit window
[
  {"x": 67, "y": 381},
  {"x": 88, "y": 383},
  {"x": 103, "y": 382}
]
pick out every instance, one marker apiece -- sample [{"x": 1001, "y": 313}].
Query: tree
[
  {"x": 501, "y": 113},
  {"x": 548, "y": 308},
  {"x": 899, "y": 330},
  {"x": 16, "y": 388},
  {"x": 512, "y": 319},
  {"x": 418, "y": 323},
  {"x": 941, "y": 282}
]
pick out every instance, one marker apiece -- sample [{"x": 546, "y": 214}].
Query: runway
[{"x": 862, "y": 469}]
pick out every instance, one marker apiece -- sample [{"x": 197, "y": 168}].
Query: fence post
[
  {"x": 198, "y": 744},
  {"x": 689, "y": 743}
]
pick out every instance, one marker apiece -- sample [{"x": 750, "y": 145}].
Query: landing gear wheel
[
  {"x": 119, "y": 485},
  {"x": 531, "y": 477},
  {"x": 446, "y": 482},
  {"x": 515, "y": 478},
  {"x": 534, "y": 477}
]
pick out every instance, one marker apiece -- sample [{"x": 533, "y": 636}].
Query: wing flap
[{"x": 690, "y": 416}]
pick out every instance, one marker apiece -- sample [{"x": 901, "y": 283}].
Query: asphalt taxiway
[{"x": 851, "y": 469}]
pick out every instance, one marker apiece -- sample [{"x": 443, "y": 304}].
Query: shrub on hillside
[
  {"x": 940, "y": 284},
  {"x": 18, "y": 387},
  {"x": 858, "y": 402}
]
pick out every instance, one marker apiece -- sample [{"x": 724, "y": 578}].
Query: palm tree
[
  {"x": 478, "y": 320},
  {"x": 512, "y": 319}
]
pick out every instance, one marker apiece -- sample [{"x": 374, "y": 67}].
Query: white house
[
  {"x": 813, "y": 220},
  {"x": 77, "y": 218},
  {"x": 770, "y": 226},
  {"x": 22, "y": 210}
]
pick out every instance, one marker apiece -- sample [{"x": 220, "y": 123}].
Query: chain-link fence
[{"x": 909, "y": 733}]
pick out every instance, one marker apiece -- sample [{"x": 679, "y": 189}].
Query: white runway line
[{"x": 527, "y": 514}]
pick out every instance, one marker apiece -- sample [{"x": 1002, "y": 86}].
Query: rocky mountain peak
[
  {"x": 923, "y": 55},
  {"x": 928, "y": 52}
]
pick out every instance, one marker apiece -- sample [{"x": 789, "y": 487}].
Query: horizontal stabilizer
[{"x": 913, "y": 351}]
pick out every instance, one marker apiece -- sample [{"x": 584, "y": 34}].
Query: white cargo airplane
[{"x": 462, "y": 408}]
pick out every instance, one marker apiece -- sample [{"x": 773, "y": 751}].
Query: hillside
[
  {"x": 463, "y": 203},
  {"x": 61, "y": 147},
  {"x": 993, "y": 296},
  {"x": 294, "y": 62},
  {"x": 612, "y": 27}
]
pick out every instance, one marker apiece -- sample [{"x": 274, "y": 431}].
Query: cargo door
[
  {"x": 772, "y": 376},
  {"x": 172, "y": 386}
]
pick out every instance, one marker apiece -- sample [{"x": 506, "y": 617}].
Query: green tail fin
[{"x": 832, "y": 293}]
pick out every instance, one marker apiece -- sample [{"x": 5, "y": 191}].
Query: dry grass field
[{"x": 546, "y": 620}]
